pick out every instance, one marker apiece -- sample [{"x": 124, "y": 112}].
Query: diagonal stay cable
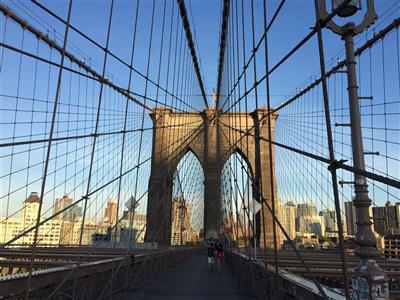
[
  {"x": 9, "y": 242},
  {"x": 81, "y": 64},
  {"x": 222, "y": 46},
  {"x": 253, "y": 53},
  {"x": 48, "y": 152},
  {"x": 130, "y": 66},
  {"x": 189, "y": 38},
  {"x": 338, "y": 164},
  {"x": 294, "y": 49},
  {"x": 312, "y": 275},
  {"x": 44, "y": 37}
]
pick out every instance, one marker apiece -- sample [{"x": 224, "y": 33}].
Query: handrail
[{"x": 10, "y": 285}]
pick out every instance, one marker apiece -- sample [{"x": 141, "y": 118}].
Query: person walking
[
  {"x": 210, "y": 256},
  {"x": 220, "y": 255}
]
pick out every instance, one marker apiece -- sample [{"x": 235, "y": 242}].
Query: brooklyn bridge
[{"x": 138, "y": 137}]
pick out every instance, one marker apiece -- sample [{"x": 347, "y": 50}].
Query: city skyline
[
  {"x": 65, "y": 229},
  {"x": 15, "y": 193},
  {"x": 136, "y": 133}
]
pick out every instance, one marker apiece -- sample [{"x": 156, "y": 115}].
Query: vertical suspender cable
[
  {"x": 47, "y": 160},
  {"x": 331, "y": 151}
]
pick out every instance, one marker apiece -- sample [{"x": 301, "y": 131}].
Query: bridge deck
[{"x": 192, "y": 280}]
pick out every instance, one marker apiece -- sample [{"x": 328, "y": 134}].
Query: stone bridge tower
[{"x": 212, "y": 142}]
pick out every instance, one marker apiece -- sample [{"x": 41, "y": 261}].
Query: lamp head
[{"x": 350, "y": 9}]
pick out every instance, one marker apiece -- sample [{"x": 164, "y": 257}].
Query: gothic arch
[
  {"x": 184, "y": 202},
  {"x": 181, "y": 154},
  {"x": 249, "y": 159},
  {"x": 212, "y": 140}
]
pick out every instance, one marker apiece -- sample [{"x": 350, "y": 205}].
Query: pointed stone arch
[
  {"x": 249, "y": 159},
  {"x": 182, "y": 201},
  {"x": 182, "y": 153},
  {"x": 212, "y": 142}
]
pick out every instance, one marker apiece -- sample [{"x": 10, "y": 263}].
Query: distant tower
[
  {"x": 110, "y": 213},
  {"x": 290, "y": 219},
  {"x": 30, "y": 208},
  {"x": 62, "y": 203},
  {"x": 398, "y": 214},
  {"x": 306, "y": 214},
  {"x": 329, "y": 216},
  {"x": 385, "y": 218},
  {"x": 180, "y": 221}
]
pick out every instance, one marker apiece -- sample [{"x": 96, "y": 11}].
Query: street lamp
[
  {"x": 349, "y": 9},
  {"x": 369, "y": 281}
]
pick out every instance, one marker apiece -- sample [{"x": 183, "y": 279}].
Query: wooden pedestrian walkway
[{"x": 192, "y": 280}]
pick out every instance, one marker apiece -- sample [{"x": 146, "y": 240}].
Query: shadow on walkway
[{"x": 191, "y": 280}]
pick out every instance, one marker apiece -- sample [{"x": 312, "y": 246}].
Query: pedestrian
[
  {"x": 220, "y": 255},
  {"x": 210, "y": 256}
]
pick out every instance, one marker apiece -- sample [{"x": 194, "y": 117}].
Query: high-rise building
[
  {"x": 317, "y": 227},
  {"x": 391, "y": 216},
  {"x": 30, "y": 208},
  {"x": 350, "y": 214},
  {"x": 132, "y": 225},
  {"x": 68, "y": 215},
  {"x": 308, "y": 220},
  {"x": 110, "y": 213},
  {"x": 329, "y": 216},
  {"x": 47, "y": 234},
  {"x": 398, "y": 213},
  {"x": 289, "y": 222},
  {"x": 392, "y": 243},
  {"x": 71, "y": 232},
  {"x": 306, "y": 210},
  {"x": 385, "y": 218},
  {"x": 139, "y": 225},
  {"x": 181, "y": 227},
  {"x": 280, "y": 214},
  {"x": 379, "y": 219}
]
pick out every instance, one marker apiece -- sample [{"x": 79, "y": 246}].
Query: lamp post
[{"x": 369, "y": 281}]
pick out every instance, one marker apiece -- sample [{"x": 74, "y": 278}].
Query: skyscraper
[
  {"x": 181, "y": 227},
  {"x": 379, "y": 218},
  {"x": 329, "y": 216},
  {"x": 350, "y": 217},
  {"x": 30, "y": 208},
  {"x": 391, "y": 216},
  {"x": 110, "y": 213},
  {"x": 280, "y": 213},
  {"x": 289, "y": 222},
  {"x": 68, "y": 215},
  {"x": 385, "y": 218},
  {"x": 308, "y": 219},
  {"x": 48, "y": 233}
]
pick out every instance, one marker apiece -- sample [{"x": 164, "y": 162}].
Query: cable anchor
[
  {"x": 371, "y": 153},
  {"x": 366, "y": 97},
  {"x": 337, "y": 164},
  {"x": 345, "y": 182}
]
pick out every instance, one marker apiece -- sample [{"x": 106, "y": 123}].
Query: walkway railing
[
  {"x": 261, "y": 282},
  {"x": 92, "y": 280}
]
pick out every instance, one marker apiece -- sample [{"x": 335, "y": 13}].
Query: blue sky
[
  {"x": 91, "y": 17},
  {"x": 292, "y": 24}
]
